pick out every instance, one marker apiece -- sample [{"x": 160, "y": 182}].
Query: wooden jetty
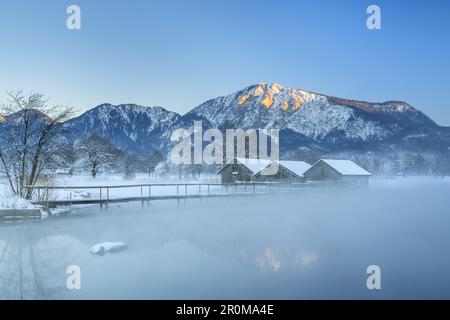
[
  {"x": 13, "y": 215},
  {"x": 42, "y": 195}
]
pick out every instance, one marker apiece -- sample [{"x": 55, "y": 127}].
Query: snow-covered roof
[
  {"x": 297, "y": 167},
  {"x": 257, "y": 165},
  {"x": 346, "y": 167},
  {"x": 254, "y": 165}
]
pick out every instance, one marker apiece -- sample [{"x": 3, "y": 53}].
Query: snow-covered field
[{"x": 118, "y": 180}]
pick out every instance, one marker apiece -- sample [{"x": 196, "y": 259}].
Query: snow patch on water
[{"x": 111, "y": 247}]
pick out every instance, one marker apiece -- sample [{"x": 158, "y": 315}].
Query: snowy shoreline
[{"x": 15, "y": 203}]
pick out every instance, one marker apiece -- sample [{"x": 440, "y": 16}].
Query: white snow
[
  {"x": 315, "y": 118},
  {"x": 346, "y": 167},
  {"x": 297, "y": 167},
  {"x": 16, "y": 203},
  {"x": 257, "y": 165},
  {"x": 60, "y": 210},
  {"x": 112, "y": 247},
  {"x": 105, "y": 180},
  {"x": 254, "y": 165},
  {"x": 8, "y": 201}
]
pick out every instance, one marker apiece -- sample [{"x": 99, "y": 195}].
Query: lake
[{"x": 313, "y": 244}]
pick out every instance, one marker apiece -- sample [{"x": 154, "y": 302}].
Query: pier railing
[{"x": 51, "y": 196}]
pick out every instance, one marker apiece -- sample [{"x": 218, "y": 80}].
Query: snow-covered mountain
[
  {"x": 311, "y": 125},
  {"x": 329, "y": 121},
  {"x": 307, "y": 121},
  {"x": 129, "y": 127}
]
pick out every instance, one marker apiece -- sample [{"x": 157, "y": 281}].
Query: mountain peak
[
  {"x": 313, "y": 115},
  {"x": 273, "y": 94},
  {"x": 18, "y": 116},
  {"x": 127, "y": 106}
]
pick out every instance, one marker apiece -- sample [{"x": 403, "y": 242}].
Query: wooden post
[
  {"x": 149, "y": 191},
  {"x": 208, "y": 189},
  {"x": 100, "y": 193},
  {"x": 199, "y": 189},
  {"x": 70, "y": 203},
  {"x": 46, "y": 195},
  {"x": 185, "y": 190},
  {"x": 141, "y": 192},
  {"x": 178, "y": 187},
  {"x": 107, "y": 194}
]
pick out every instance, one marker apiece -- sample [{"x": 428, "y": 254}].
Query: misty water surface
[{"x": 311, "y": 244}]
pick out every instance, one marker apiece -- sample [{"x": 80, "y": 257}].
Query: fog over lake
[{"x": 312, "y": 244}]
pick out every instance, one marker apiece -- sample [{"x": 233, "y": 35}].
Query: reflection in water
[
  {"x": 315, "y": 244},
  {"x": 305, "y": 259},
  {"x": 32, "y": 267},
  {"x": 272, "y": 263},
  {"x": 270, "y": 260}
]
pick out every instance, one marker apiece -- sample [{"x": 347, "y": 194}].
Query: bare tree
[
  {"x": 28, "y": 132},
  {"x": 152, "y": 160},
  {"x": 66, "y": 158},
  {"x": 130, "y": 165},
  {"x": 96, "y": 153}
]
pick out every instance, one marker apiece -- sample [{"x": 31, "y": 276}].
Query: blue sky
[{"x": 178, "y": 54}]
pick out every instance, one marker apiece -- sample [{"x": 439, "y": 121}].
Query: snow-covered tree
[
  {"x": 95, "y": 154},
  {"x": 66, "y": 158},
  {"x": 29, "y": 131},
  {"x": 162, "y": 169}
]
